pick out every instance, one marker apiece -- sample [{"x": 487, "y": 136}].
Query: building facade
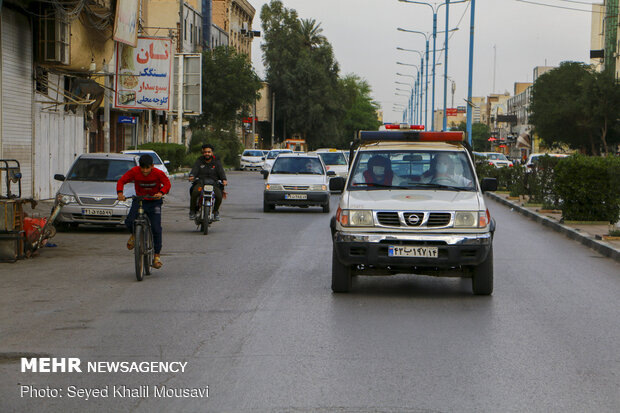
[{"x": 235, "y": 18}]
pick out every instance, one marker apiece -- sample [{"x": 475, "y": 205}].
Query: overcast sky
[{"x": 364, "y": 36}]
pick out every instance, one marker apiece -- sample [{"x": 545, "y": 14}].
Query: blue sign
[{"x": 127, "y": 119}]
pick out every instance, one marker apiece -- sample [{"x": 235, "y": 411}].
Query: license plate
[
  {"x": 296, "y": 196},
  {"x": 98, "y": 212},
  {"x": 411, "y": 251}
]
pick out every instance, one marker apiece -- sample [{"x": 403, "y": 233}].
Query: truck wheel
[
  {"x": 482, "y": 277},
  {"x": 268, "y": 207},
  {"x": 341, "y": 275},
  {"x": 326, "y": 206}
]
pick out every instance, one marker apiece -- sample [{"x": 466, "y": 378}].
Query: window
[{"x": 54, "y": 38}]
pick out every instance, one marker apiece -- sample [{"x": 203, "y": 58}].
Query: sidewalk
[{"x": 592, "y": 235}]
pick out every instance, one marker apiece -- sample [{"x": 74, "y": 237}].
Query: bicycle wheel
[
  {"x": 206, "y": 212},
  {"x": 139, "y": 251},
  {"x": 149, "y": 253}
]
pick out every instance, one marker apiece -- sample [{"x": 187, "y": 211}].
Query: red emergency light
[
  {"x": 412, "y": 136},
  {"x": 403, "y": 126}
]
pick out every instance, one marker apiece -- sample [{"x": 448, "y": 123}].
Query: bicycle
[
  {"x": 143, "y": 240},
  {"x": 204, "y": 215}
]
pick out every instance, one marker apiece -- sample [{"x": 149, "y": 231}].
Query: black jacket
[{"x": 208, "y": 171}]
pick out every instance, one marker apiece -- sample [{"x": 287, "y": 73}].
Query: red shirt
[{"x": 156, "y": 181}]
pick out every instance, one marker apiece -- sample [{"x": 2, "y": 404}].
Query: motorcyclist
[{"x": 206, "y": 170}]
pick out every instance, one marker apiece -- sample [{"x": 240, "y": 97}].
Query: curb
[{"x": 591, "y": 242}]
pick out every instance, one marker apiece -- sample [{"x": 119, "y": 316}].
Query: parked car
[
  {"x": 297, "y": 180},
  {"x": 497, "y": 159},
  {"x": 157, "y": 162},
  {"x": 533, "y": 159},
  {"x": 89, "y": 189},
  {"x": 251, "y": 159}
]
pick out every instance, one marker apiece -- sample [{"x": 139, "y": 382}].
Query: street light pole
[
  {"x": 435, "y": 10},
  {"x": 471, "y": 66},
  {"x": 445, "y": 71}
]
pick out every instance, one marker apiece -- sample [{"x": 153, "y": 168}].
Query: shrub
[
  {"x": 227, "y": 146},
  {"x": 589, "y": 188},
  {"x": 172, "y": 152}
]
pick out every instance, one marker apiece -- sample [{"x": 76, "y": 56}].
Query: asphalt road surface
[{"x": 250, "y": 310}]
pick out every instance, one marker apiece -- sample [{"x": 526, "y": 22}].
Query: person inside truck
[{"x": 444, "y": 171}]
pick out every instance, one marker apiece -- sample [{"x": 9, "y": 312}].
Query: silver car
[{"x": 89, "y": 189}]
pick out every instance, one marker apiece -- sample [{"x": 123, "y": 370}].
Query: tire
[
  {"x": 204, "y": 227},
  {"x": 482, "y": 277},
  {"x": 267, "y": 207},
  {"x": 326, "y": 207},
  {"x": 149, "y": 254},
  {"x": 341, "y": 275},
  {"x": 138, "y": 252}
]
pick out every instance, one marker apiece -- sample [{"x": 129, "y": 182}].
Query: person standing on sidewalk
[
  {"x": 149, "y": 182},
  {"x": 207, "y": 170}
]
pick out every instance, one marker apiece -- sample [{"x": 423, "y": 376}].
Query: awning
[
  {"x": 491, "y": 139},
  {"x": 524, "y": 141}
]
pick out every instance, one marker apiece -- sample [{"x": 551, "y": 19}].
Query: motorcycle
[{"x": 206, "y": 203}]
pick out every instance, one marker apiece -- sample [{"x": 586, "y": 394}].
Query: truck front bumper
[{"x": 454, "y": 250}]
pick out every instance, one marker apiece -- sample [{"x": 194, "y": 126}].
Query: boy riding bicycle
[{"x": 150, "y": 182}]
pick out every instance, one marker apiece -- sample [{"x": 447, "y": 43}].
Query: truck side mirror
[
  {"x": 336, "y": 184},
  {"x": 488, "y": 184}
]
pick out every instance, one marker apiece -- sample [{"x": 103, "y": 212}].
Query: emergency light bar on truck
[
  {"x": 401, "y": 126},
  {"x": 412, "y": 136}
]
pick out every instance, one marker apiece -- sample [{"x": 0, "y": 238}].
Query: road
[{"x": 250, "y": 309}]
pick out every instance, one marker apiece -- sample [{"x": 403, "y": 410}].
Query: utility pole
[
  {"x": 106, "y": 108},
  {"x": 180, "y": 75},
  {"x": 273, "y": 118}
]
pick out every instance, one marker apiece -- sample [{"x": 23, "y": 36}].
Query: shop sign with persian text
[{"x": 143, "y": 74}]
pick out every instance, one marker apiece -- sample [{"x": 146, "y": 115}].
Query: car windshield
[
  {"x": 297, "y": 165},
  {"x": 412, "y": 170},
  {"x": 497, "y": 156},
  {"x": 156, "y": 158},
  {"x": 333, "y": 158},
  {"x": 99, "y": 169},
  {"x": 253, "y": 153}
]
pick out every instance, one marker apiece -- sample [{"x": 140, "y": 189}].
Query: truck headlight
[
  {"x": 274, "y": 187},
  {"x": 470, "y": 219},
  {"x": 318, "y": 187},
  {"x": 66, "y": 199},
  {"x": 356, "y": 218}
]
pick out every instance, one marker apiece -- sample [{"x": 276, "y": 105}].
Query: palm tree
[{"x": 311, "y": 31}]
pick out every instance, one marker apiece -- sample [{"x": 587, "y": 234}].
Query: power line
[{"x": 560, "y": 7}]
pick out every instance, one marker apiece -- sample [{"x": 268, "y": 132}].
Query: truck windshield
[{"x": 450, "y": 170}]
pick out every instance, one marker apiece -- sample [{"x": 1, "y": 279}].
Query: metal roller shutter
[{"x": 17, "y": 93}]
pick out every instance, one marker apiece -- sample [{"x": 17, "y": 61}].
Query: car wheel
[
  {"x": 326, "y": 206},
  {"x": 341, "y": 275},
  {"x": 482, "y": 277}
]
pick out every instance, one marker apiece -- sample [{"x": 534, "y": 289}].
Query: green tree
[
  {"x": 302, "y": 73},
  {"x": 360, "y": 110},
  {"x": 229, "y": 88},
  {"x": 576, "y": 106},
  {"x": 480, "y": 134},
  {"x": 601, "y": 96}
]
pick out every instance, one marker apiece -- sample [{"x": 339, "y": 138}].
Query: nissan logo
[{"x": 413, "y": 219}]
